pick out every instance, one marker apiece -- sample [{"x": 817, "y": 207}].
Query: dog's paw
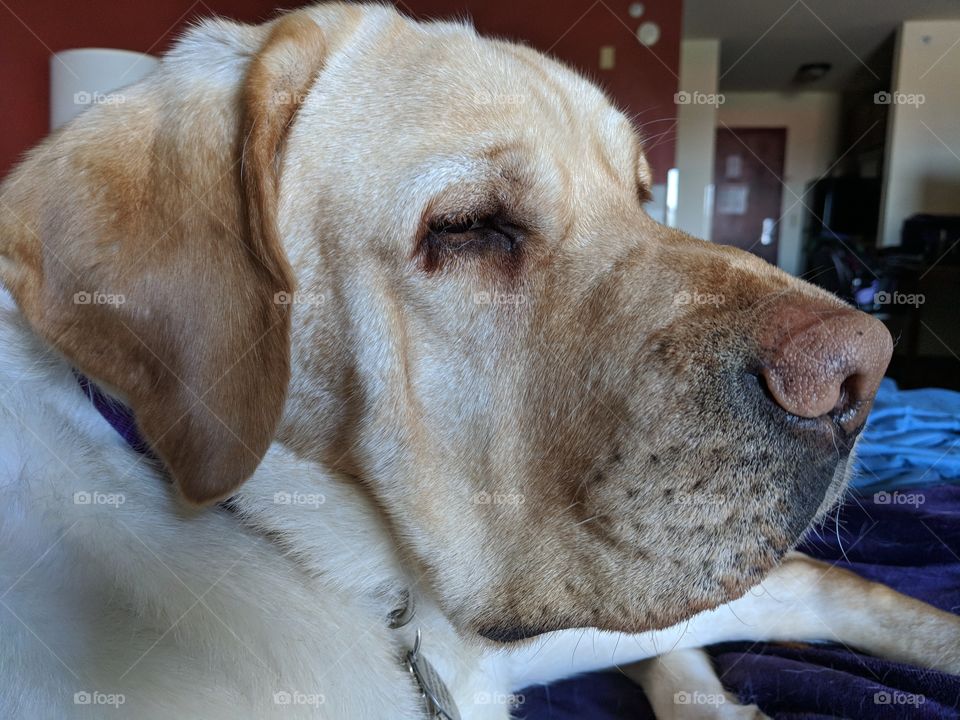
[
  {"x": 735, "y": 711},
  {"x": 683, "y": 685},
  {"x": 724, "y": 708}
]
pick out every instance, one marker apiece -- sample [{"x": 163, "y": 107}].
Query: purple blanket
[{"x": 911, "y": 542}]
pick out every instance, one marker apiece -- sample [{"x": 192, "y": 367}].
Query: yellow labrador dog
[{"x": 464, "y": 397}]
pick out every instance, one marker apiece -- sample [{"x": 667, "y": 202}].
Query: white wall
[
  {"x": 922, "y": 172},
  {"x": 696, "y": 134},
  {"x": 812, "y": 120}
]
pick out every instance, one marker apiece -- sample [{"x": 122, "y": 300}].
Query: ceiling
[{"x": 763, "y": 42}]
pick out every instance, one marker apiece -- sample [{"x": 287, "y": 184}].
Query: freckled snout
[{"x": 825, "y": 362}]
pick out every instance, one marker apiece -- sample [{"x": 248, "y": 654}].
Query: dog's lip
[{"x": 506, "y": 635}]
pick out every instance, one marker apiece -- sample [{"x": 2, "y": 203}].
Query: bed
[{"x": 901, "y": 526}]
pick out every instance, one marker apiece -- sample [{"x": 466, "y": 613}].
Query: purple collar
[
  {"x": 117, "y": 414},
  {"x": 122, "y": 420}
]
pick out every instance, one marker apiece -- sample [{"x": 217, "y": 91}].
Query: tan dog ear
[
  {"x": 142, "y": 247},
  {"x": 277, "y": 83}
]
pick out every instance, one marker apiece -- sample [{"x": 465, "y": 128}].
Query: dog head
[{"x": 421, "y": 258}]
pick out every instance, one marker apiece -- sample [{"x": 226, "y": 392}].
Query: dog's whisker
[{"x": 592, "y": 517}]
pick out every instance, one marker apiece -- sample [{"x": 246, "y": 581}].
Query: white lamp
[{"x": 80, "y": 78}]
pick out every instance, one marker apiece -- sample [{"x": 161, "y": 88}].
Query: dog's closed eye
[{"x": 475, "y": 235}]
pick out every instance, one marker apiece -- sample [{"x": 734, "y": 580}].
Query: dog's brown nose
[{"x": 825, "y": 361}]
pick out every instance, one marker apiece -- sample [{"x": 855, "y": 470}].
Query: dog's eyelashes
[
  {"x": 468, "y": 235},
  {"x": 461, "y": 227}
]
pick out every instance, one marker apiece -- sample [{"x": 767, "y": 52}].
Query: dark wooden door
[{"x": 748, "y": 182}]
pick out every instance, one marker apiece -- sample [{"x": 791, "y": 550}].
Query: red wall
[{"x": 643, "y": 83}]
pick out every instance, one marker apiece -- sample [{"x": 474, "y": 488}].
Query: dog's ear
[{"x": 142, "y": 243}]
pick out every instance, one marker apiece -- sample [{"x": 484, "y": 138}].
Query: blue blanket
[
  {"x": 901, "y": 530},
  {"x": 912, "y": 438}
]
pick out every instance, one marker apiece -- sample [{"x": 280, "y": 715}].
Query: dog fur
[{"x": 427, "y": 342}]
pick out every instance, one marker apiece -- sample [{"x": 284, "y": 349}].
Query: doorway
[{"x": 748, "y": 181}]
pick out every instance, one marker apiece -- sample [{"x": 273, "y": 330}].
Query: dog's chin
[{"x": 734, "y": 586}]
